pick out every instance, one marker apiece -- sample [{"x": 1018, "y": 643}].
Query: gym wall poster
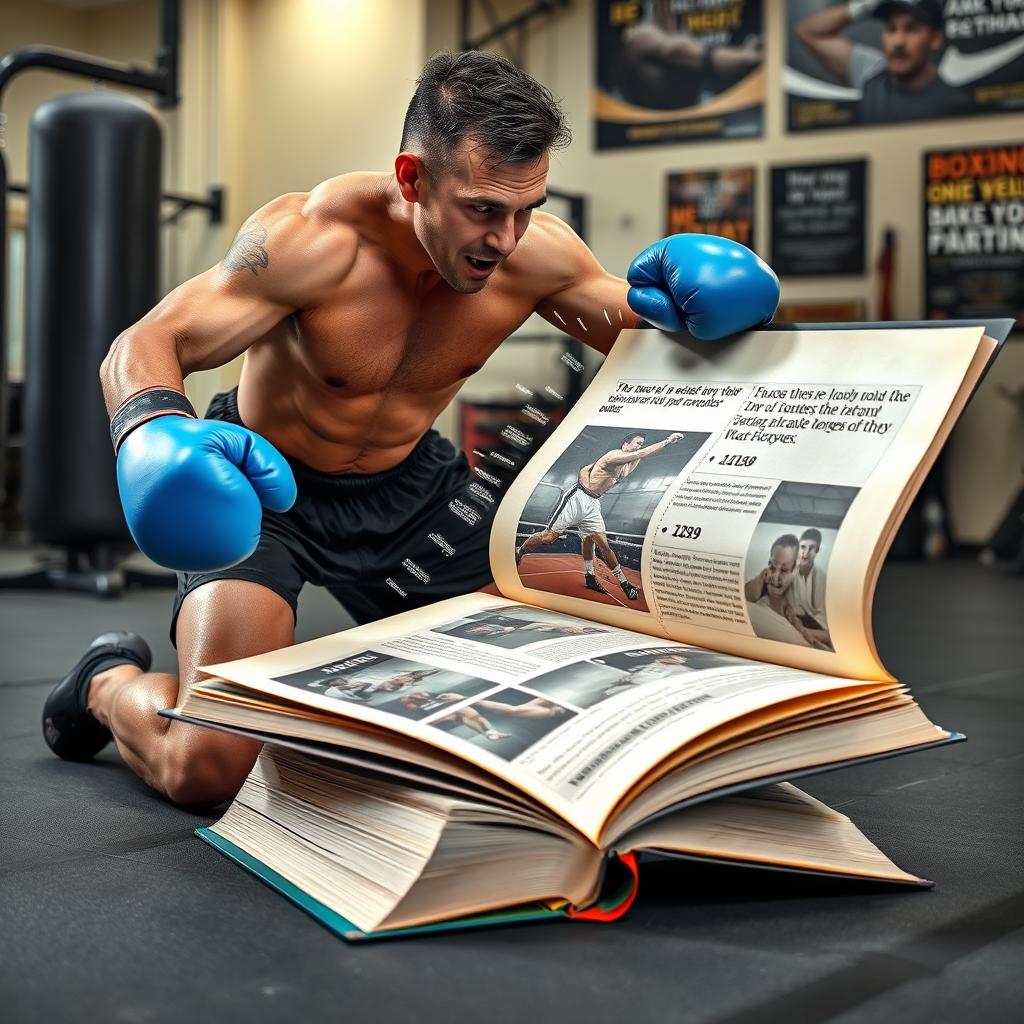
[
  {"x": 676, "y": 71},
  {"x": 852, "y": 64},
  {"x": 712, "y": 203},
  {"x": 974, "y": 232},
  {"x": 818, "y": 219}
]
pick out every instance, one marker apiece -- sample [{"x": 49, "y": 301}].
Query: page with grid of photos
[{"x": 573, "y": 713}]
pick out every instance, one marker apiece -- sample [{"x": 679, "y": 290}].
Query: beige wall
[
  {"x": 325, "y": 88},
  {"x": 307, "y": 89},
  {"x": 277, "y": 95},
  {"x": 22, "y": 23},
  {"x": 128, "y": 31},
  {"x": 626, "y": 189}
]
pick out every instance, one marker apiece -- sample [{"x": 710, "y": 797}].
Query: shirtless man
[
  {"x": 472, "y": 719},
  {"x": 361, "y": 308},
  {"x": 489, "y": 629},
  {"x": 770, "y": 587},
  {"x": 665, "y": 665},
  {"x": 362, "y": 690},
  {"x": 580, "y": 507}
]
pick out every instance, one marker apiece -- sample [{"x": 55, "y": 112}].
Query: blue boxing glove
[
  {"x": 712, "y": 286},
  {"x": 192, "y": 489}
]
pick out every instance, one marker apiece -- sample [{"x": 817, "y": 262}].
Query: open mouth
[{"x": 480, "y": 267}]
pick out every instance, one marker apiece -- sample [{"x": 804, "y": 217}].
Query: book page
[
  {"x": 572, "y": 712},
  {"x": 735, "y": 495}
]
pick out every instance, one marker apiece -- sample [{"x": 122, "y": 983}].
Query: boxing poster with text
[
  {"x": 818, "y": 219},
  {"x": 974, "y": 232},
  {"x": 674, "y": 71},
  {"x": 718, "y": 202},
  {"x": 869, "y": 63}
]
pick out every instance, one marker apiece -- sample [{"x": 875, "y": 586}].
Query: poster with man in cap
[{"x": 892, "y": 61}]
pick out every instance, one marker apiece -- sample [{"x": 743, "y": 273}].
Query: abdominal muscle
[
  {"x": 334, "y": 430},
  {"x": 599, "y": 480}
]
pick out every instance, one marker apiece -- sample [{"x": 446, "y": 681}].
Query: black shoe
[
  {"x": 590, "y": 581},
  {"x": 629, "y": 590},
  {"x": 70, "y": 731}
]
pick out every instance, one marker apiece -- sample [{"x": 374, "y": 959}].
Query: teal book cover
[{"x": 345, "y": 928}]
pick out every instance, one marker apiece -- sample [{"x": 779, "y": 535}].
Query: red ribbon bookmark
[{"x": 614, "y": 907}]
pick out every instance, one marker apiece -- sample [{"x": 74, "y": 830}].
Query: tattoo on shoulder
[{"x": 247, "y": 251}]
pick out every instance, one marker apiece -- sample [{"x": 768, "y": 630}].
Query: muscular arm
[
  {"x": 821, "y": 33},
  {"x": 680, "y": 50},
  {"x": 547, "y": 627},
  {"x": 653, "y": 42},
  {"x": 580, "y": 297},
  {"x": 735, "y": 60},
  {"x": 753, "y": 589},
  {"x": 620, "y": 458},
  {"x": 279, "y": 262}
]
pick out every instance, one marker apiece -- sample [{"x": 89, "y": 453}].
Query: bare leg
[
  {"x": 604, "y": 549},
  {"x": 474, "y": 720},
  {"x": 220, "y": 621},
  {"x": 537, "y": 540},
  {"x": 587, "y": 548},
  {"x": 536, "y": 708}
]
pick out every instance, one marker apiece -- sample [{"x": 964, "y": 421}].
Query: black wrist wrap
[{"x": 146, "y": 406}]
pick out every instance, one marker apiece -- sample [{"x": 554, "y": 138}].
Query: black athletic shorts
[{"x": 353, "y": 533}]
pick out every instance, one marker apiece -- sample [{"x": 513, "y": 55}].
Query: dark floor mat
[{"x": 111, "y": 910}]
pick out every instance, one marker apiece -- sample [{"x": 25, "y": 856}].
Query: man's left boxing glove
[
  {"x": 192, "y": 489},
  {"x": 713, "y": 286}
]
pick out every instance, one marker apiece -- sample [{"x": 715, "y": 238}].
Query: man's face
[
  {"x": 633, "y": 445},
  {"x": 471, "y": 216},
  {"x": 908, "y": 45},
  {"x": 780, "y": 569},
  {"x": 808, "y": 552}
]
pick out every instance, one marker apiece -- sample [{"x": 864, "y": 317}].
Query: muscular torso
[
  {"x": 601, "y": 476},
  {"x": 350, "y": 384}
]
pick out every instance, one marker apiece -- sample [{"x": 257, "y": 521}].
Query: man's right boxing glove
[
  {"x": 192, "y": 489},
  {"x": 712, "y": 286}
]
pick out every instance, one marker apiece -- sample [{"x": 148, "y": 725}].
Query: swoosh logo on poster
[
  {"x": 796, "y": 83},
  {"x": 958, "y": 68}
]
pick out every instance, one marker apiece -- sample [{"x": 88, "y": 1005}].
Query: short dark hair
[
  {"x": 812, "y": 534},
  {"x": 787, "y": 540},
  {"x": 629, "y": 437},
  {"x": 485, "y": 97}
]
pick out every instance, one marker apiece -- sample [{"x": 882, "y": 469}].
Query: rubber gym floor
[{"x": 111, "y": 910}]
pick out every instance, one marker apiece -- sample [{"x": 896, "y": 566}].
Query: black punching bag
[{"x": 92, "y": 255}]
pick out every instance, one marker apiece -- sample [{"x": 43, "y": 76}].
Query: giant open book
[{"x": 493, "y": 758}]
